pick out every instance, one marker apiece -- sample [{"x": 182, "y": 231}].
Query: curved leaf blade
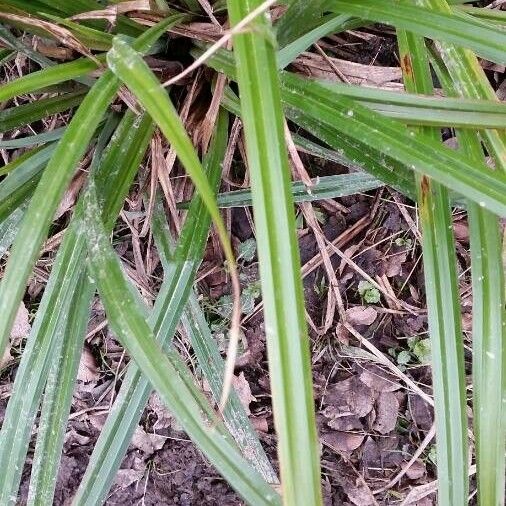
[
  {"x": 53, "y": 182},
  {"x": 486, "y": 40},
  {"x": 166, "y": 372}
]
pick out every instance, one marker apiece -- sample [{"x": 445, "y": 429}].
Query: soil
[{"x": 369, "y": 424}]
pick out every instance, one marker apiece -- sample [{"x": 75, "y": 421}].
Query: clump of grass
[{"x": 393, "y": 139}]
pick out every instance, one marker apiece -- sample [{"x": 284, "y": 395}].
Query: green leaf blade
[
  {"x": 443, "y": 305},
  {"x": 166, "y": 373},
  {"x": 48, "y": 332},
  {"x": 133, "y": 71},
  {"x": 287, "y": 341},
  {"x": 55, "y": 179},
  {"x": 485, "y": 39}
]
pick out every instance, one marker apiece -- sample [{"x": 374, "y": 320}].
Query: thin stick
[
  {"x": 393, "y": 368},
  {"x": 427, "y": 439},
  {"x": 221, "y": 42}
]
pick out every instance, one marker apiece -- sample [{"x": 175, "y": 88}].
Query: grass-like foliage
[{"x": 117, "y": 109}]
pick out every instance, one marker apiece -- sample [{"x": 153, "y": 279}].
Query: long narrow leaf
[
  {"x": 464, "y": 76},
  {"x": 309, "y": 106},
  {"x": 166, "y": 372},
  {"x": 53, "y": 183},
  {"x": 23, "y": 175},
  {"x": 14, "y": 43},
  {"x": 331, "y": 24},
  {"x": 34, "y": 111},
  {"x": 299, "y": 17},
  {"x": 128, "y": 65},
  {"x": 42, "y": 138},
  {"x": 368, "y": 138},
  {"x": 89, "y": 37},
  {"x": 213, "y": 367},
  {"x": 203, "y": 343},
  {"x": 424, "y": 110},
  {"x": 63, "y": 372},
  {"x": 406, "y": 107},
  {"x": 47, "y": 196},
  {"x": 487, "y": 41},
  {"x": 47, "y": 77},
  {"x": 489, "y": 14},
  {"x": 134, "y": 393},
  {"x": 327, "y": 187},
  {"x": 286, "y": 332},
  {"x": 46, "y": 333},
  {"x": 57, "y": 6},
  {"x": 118, "y": 169},
  {"x": 440, "y": 269},
  {"x": 9, "y": 229},
  {"x": 230, "y": 101},
  {"x": 59, "y": 389}
]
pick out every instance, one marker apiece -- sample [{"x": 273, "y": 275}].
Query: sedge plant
[{"x": 383, "y": 137}]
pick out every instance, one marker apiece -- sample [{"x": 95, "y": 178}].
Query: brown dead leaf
[
  {"x": 350, "y": 397},
  {"x": 341, "y": 423},
  {"x": 421, "y": 412},
  {"x": 243, "y": 391},
  {"x": 125, "y": 477},
  {"x": 342, "y": 334},
  {"x": 416, "y": 470},
  {"x": 501, "y": 91},
  {"x": 71, "y": 194},
  {"x": 343, "y": 442},
  {"x": 21, "y": 327},
  {"x": 488, "y": 65},
  {"x": 371, "y": 454},
  {"x": 394, "y": 264},
  {"x": 354, "y": 486},
  {"x": 415, "y": 324},
  {"x": 260, "y": 423},
  {"x": 111, "y": 12},
  {"x": 164, "y": 418},
  {"x": 378, "y": 379},
  {"x": 53, "y": 51},
  {"x": 414, "y": 292},
  {"x": 387, "y": 409},
  {"x": 97, "y": 419},
  {"x": 357, "y": 73},
  {"x": 6, "y": 359},
  {"x": 147, "y": 443},
  {"x": 63, "y": 35},
  {"x": 361, "y": 315},
  {"x": 417, "y": 494},
  {"x": 73, "y": 438},
  {"x": 88, "y": 370},
  {"x": 467, "y": 322},
  {"x": 348, "y": 253},
  {"x": 461, "y": 231}
]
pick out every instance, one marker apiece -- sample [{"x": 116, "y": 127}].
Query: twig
[
  {"x": 427, "y": 439},
  {"x": 222, "y": 41},
  {"x": 377, "y": 353}
]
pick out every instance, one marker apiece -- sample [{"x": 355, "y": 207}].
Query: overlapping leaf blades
[
  {"x": 286, "y": 333},
  {"x": 440, "y": 267},
  {"x": 53, "y": 182},
  {"x": 353, "y": 122},
  {"x": 136, "y": 388}
]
